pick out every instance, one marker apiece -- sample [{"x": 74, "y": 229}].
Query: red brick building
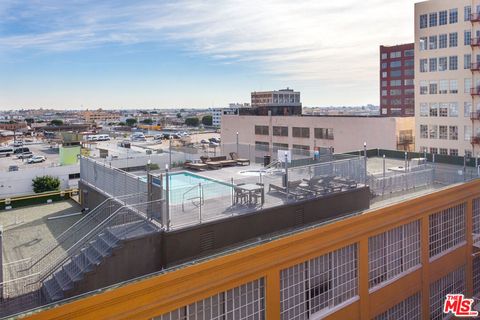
[{"x": 396, "y": 80}]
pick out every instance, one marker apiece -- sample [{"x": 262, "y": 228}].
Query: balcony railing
[
  {"x": 475, "y": 115},
  {"x": 475, "y": 17},
  {"x": 475, "y": 91},
  {"x": 475, "y": 42},
  {"x": 475, "y": 66},
  {"x": 475, "y": 140}
]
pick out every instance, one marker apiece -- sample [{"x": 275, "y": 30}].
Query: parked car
[
  {"x": 13, "y": 168},
  {"x": 36, "y": 159},
  {"x": 158, "y": 136},
  {"x": 203, "y": 141},
  {"x": 21, "y": 150},
  {"x": 25, "y": 155},
  {"x": 213, "y": 145},
  {"x": 17, "y": 144},
  {"x": 214, "y": 140}
]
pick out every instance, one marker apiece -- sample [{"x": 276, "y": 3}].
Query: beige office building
[
  {"x": 446, "y": 77},
  {"x": 342, "y": 133}
]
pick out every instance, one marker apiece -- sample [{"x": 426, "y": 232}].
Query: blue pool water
[{"x": 185, "y": 185}]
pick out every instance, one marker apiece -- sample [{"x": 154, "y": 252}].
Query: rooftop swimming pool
[{"x": 186, "y": 185}]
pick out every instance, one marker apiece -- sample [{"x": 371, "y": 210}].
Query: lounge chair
[
  {"x": 195, "y": 165},
  {"x": 240, "y": 161},
  {"x": 224, "y": 161},
  {"x": 211, "y": 164}
]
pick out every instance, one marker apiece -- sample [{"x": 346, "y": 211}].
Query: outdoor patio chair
[
  {"x": 243, "y": 162},
  {"x": 195, "y": 165},
  {"x": 241, "y": 196}
]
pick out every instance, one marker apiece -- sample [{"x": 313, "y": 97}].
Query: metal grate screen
[
  {"x": 246, "y": 302},
  {"x": 408, "y": 309},
  {"x": 446, "y": 229},
  {"x": 318, "y": 285},
  {"x": 393, "y": 252},
  {"x": 454, "y": 282}
]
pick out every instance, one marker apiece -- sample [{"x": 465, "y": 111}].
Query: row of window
[
  {"x": 398, "y": 83},
  {"x": 439, "y": 18},
  {"x": 398, "y": 102},
  {"x": 297, "y": 132},
  {"x": 438, "y": 87},
  {"x": 297, "y": 149},
  {"x": 398, "y": 92},
  {"x": 435, "y": 109},
  {"x": 443, "y": 151},
  {"x": 442, "y": 41},
  {"x": 398, "y": 54},
  {"x": 440, "y": 64},
  {"x": 314, "y": 287},
  {"x": 442, "y": 132},
  {"x": 398, "y": 73},
  {"x": 398, "y": 64}
]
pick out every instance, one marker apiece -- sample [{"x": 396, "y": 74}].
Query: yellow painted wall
[{"x": 159, "y": 294}]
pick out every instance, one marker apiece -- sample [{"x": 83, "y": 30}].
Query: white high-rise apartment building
[{"x": 447, "y": 77}]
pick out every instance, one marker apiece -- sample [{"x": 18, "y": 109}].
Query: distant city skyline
[{"x": 165, "y": 54}]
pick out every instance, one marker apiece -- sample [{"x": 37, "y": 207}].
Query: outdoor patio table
[{"x": 251, "y": 188}]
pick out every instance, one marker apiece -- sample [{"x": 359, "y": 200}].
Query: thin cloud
[{"x": 303, "y": 40}]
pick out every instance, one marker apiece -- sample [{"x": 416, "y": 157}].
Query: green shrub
[{"x": 45, "y": 184}]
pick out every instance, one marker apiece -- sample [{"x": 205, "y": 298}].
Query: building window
[
  {"x": 409, "y": 72},
  {"x": 395, "y": 54},
  {"x": 313, "y": 287},
  {"x": 423, "y": 65},
  {"x": 443, "y": 110},
  {"x": 247, "y": 300},
  {"x": 261, "y": 130},
  {"x": 467, "y": 11},
  {"x": 300, "y": 150},
  {"x": 262, "y": 146},
  {"x": 384, "y": 93},
  {"x": 453, "y": 62},
  {"x": 280, "y": 131},
  {"x": 384, "y": 83},
  {"x": 395, "y": 64},
  {"x": 433, "y": 86},
  {"x": 408, "y": 82},
  {"x": 442, "y": 64},
  {"x": 384, "y": 56},
  {"x": 395, "y": 92},
  {"x": 467, "y": 109},
  {"x": 454, "y": 86},
  {"x": 423, "y": 43},
  {"x": 408, "y": 309},
  {"x": 432, "y": 64},
  {"x": 433, "y": 131},
  {"x": 446, "y": 229},
  {"x": 454, "y": 282},
  {"x": 323, "y": 133},
  {"x": 453, "y": 132},
  {"x": 467, "y": 36},
  {"x": 409, "y": 63},
  {"x": 409, "y": 53},
  {"x": 384, "y": 65},
  {"x": 423, "y": 21},
  {"x": 433, "y": 150},
  {"x": 467, "y": 84},
  {"x": 433, "y": 109},
  {"x": 384, "y": 74},
  {"x": 453, "y": 40},
  {"x": 298, "y": 132},
  {"x": 453, "y": 110},
  {"x": 423, "y": 109},
  {"x": 454, "y": 15},
  {"x": 443, "y": 151},
  {"x": 396, "y": 73},
  {"x": 433, "y": 19},
  {"x": 424, "y": 131},
  {"x": 279, "y": 146},
  {"x": 467, "y": 130},
  {"x": 393, "y": 252},
  {"x": 443, "y": 134},
  {"x": 432, "y": 42},
  {"x": 442, "y": 41},
  {"x": 423, "y": 87},
  {"x": 467, "y": 61},
  {"x": 454, "y": 152},
  {"x": 395, "y": 83},
  {"x": 442, "y": 17},
  {"x": 443, "y": 86}
]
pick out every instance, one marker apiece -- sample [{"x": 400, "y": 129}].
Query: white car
[{"x": 36, "y": 159}]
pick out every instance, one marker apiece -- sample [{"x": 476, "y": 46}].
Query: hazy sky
[{"x": 68, "y": 54}]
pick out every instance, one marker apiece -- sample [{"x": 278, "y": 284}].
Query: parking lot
[{"x": 37, "y": 148}]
